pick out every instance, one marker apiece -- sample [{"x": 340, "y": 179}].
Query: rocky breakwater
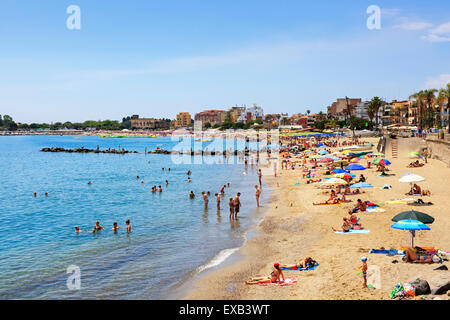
[{"x": 83, "y": 150}]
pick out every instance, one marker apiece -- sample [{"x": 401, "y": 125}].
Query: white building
[
  {"x": 251, "y": 114},
  {"x": 360, "y": 110}
]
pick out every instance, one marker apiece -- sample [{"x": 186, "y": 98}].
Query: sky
[{"x": 158, "y": 58}]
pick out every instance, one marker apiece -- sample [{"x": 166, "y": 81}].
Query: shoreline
[{"x": 288, "y": 233}]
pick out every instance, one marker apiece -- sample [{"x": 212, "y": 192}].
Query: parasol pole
[{"x": 413, "y": 233}]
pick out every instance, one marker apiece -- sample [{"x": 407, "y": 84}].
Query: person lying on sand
[
  {"x": 348, "y": 192},
  {"x": 415, "y": 164},
  {"x": 313, "y": 181},
  {"x": 412, "y": 257},
  {"x": 307, "y": 262},
  {"x": 346, "y": 225},
  {"x": 273, "y": 278}
]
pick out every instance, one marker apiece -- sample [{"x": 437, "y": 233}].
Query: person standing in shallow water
[
  {"x": 231, "y": 204},
  {"x": 205, "y": 199},
  {"x": 237, "y": 204},
  {"x": 260, "y": 178},
  {"x": 218, "y": 201},
  {"x": 128, "y": 225},
  {"x": 257, "y": 194}
]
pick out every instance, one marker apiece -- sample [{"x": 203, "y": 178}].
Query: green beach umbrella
[{"x": 414, "y": 215}]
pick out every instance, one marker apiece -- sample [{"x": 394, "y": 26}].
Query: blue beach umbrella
[
  {"x": 361, "y": 185},
  {"x": 355, "y": 166},
  {"x": 339, "y": 170},
  {"x": 323, "y": 152},
  {"x": 410, "y": 225}
]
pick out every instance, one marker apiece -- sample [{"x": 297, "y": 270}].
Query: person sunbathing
[
  {"x": 312, "y": 181},
  {"x": 362, "y": 178},
  {"x": 413, "y": 257},
  {"x": 273, "y": 278},
  {"x": 426, "y": 192},
  {"x": 305, "y": 263},
  {"x": 346, "y": 225}
]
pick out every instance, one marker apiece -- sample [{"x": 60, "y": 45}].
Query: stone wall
[{"x": 439, "y": 148}]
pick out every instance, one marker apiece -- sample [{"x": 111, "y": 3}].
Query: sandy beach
[{"x": 293, "y": 228}]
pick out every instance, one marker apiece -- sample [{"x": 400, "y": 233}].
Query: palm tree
[
  {"x": 440, "y": 100},
  {"x": 375, "y": 105},
  {"x": 430, "y": 98}
]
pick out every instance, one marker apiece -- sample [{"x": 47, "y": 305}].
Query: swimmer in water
[
  {"x": 222, "y": 190},
  {"x": 89, "y": 182},
  {"x": 192, "y": 195},
  {"x": 77, "y": 229},
  {"x": 35, "y": 194},
  {"x": 115, "y": 228},
  {"x": 205, "y": 199},
  {"x": 189, "y": 180},
  {"x": 97, "y": 227},
  {"x": 128, "y": 225},
  {"x": 137, "y": 177},
  {"x": 167, "y": 183},
  {"x": 46, "y": 194},
  {"x": 160, "y": 189}
]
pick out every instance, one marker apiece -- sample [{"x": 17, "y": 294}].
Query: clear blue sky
[{"x": 156, "y": 58}]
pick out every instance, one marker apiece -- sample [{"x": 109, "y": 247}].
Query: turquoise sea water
[{"x": 172, "y": 235}]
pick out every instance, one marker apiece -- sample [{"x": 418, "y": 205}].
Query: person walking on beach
[
  {"x": 218, "y": 201},
  {"x": 259, "y": 178},
  {"x": 257, "y": 194},
  {"x": 237, "y": 204},
  {"x": 128, "y": 225},
  {"x": 231, "y": 204}
]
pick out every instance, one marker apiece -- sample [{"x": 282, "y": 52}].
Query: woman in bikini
[
  {"x": 273, "y": 278},
  {"x": 302, "y": 264},
  {"x": 346, "y": 225}
]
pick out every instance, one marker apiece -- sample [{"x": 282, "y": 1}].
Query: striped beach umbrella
[
  {"x": 410, "y": 225},
  {"x": 382, "y": 161}
]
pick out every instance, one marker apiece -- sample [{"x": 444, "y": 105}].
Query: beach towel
[
  {"x": 420, "y": 204},
  {"x": 386, "y": 175},
  {"x": 374, "y": 209},
  {"x": 302, "y": 269},
  {"x": 287, "y": 282},
  {"x": 353, "y": 231},
  {"x": 388, "y": 252},
  {"x": 326, "y": 204}
]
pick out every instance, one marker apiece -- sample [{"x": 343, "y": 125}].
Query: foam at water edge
[{"x": 218, "y": 259}]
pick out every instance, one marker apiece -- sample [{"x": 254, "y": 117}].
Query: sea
[{"x": 173, "y": 238}]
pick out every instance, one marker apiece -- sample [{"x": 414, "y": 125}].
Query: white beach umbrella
[
  {"x": 411, "y": 178},
  {"x": 335, "y": 181}
]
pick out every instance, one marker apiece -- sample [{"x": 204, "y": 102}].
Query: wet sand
[{"x": 293, "y": 228}]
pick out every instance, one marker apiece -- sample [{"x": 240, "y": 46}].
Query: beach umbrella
[
  {"x": 361, "y": 185},
  {"x": 355, "y": 160},
  {"x": 335, "y": 181},
  {"x": 346, "y": 151},
  {"x": 355, "y": 166},
  {"x": 325, "y": 160},
  {"x": 410, "y": 225},
  {"x": 339, "y": 170},
  {"x": 344, "y": 175},
  {"x": 369, "y": 155},
  {"x": 379, "y": 154},
  {"x": 411, "y": 178},
  {"x": 414, "y": 215},
  {"x": 323, "y": 152},
  {"x": 413, "y": 154},
  {"x": 382, "y": 161}
]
